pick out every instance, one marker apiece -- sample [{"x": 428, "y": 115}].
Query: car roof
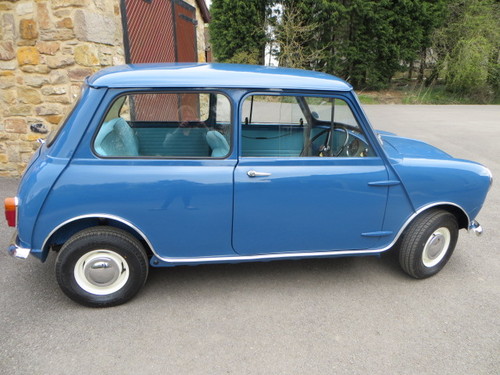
[{"x": 216, "y": 75}]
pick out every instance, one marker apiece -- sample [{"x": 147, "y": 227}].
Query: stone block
[
  {"x": 54, "y": 90},
  {"x": 118, "y": 60},
  {"x": 67, "y": 50},
  {"x": 7, "y": 82},
  {"x": 5, "y": 6},
  {"x": 58, "y": 77},
  {"x": 57, "y": 34},
  {"x": 24, "y": 8},
  {"x": 16, "y": 125},
  {"x": 9, "y": 27},
  {"x": 79, "y": 74},
  {"x": 105, "y": 59},
  {"x": 43, "y": 69},
  {"x": 104, "y": 5},
  {"x": 8, "y": 97},
  {"x": 48, "y": 109},
  {"x": 33, "y": 137},
  {"x": 62, "y": 13},
  {"x": 8, "y": 65},
  {"x": 43, "y": 16},
  {"x": 35, "y": 80},
  {"x": 62, "y": 99},
  {"x": 75, "y": 90},
  {"x": 65, "y": 23},
  {"x": 28, "y": 29},
  {"x": 7, "y": 51},
  {"x": 94, "y": 27},
  {"x": 86, "y": 55},
  {"x": 68, "y": 3},
  {"x": 28, "y": 56},
  {"x": 26, "y": 42},
  {"x": 19, "y": 110},
  {"x": 26, "y": 156},
  {"x": 48, "y": 48},
  {"x": 55, "y": 62},
  {"x": 54, "y": 119},
  {"x": 28, "y": 95},
  {"x": 13, "y": 155}
]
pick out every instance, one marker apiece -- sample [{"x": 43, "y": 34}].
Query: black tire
[
  {"x": 101, "y": 267},
  {"x": 428, "y": 243}
]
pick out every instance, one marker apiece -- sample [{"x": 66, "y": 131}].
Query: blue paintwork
[
  {"x": 316, "y": 200},
  {"x": 193, "y": 211},
  {"x": 214, "y": 75}
]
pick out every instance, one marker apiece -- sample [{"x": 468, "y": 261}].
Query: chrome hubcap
[
  {"x": 101, "y": 272},
  {"x": 436, "y": 247}
]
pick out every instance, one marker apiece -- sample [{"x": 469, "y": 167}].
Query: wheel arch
[
  {"x": 459, "y": 213},
  {"x": 62, "y": 232},
  {"x": 456, "y": 210}
]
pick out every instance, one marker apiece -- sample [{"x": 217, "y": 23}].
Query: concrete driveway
[{"x": 328, "y": 316}]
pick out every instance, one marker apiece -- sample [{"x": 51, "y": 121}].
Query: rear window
[{"x": 166, "y": 125}]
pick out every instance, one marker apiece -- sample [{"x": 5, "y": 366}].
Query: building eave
[{"x": 205, "y": 13}]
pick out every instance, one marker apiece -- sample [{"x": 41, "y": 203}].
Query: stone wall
[{"x": 47, "y": 48}]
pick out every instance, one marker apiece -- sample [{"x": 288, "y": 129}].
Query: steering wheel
[
  {"x": 346, "y": 141},
  {"x": 325, "y": 147}
]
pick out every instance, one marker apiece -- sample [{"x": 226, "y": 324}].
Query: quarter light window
[
  {"x": 301, "y": 126},
  {"x": 166, "y": 125}
]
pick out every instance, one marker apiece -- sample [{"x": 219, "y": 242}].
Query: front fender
[{"x": 460, "y": 182}]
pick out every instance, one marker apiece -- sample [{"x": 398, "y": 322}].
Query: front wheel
[
  {"x": 428, "y": 243},
  {"x": 101, "y": 267}
]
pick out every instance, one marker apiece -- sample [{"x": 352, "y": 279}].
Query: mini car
[{"x": 186, "y": 164}]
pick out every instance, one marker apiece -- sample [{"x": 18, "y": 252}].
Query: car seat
[{"x": 116, "y": 138}]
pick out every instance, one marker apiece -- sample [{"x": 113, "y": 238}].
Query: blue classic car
[{"x": 185, "y": 164}]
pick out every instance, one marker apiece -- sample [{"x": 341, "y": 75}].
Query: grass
[
  {"x": 438, "y": 95},
  {"x": 419, "y": 94},
  {"x": 368, "y": 99}
]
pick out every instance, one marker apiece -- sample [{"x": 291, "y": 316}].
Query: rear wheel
[
  {"x": 428, "y": 243},
  {"x": 101, "y": 266}
]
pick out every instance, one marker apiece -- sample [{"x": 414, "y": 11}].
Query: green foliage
[
  {"x": 468, "y": 48},
  {"x": 363, "y": 41},
  {"x": 238, "y": 28},
  {"x": 246, "y": 57},
  {"x": 367, "y": 42}
]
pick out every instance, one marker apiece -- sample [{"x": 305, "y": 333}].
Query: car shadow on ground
[
  {"x": 217, "y": 279},
  {"x": 277, "y": 273}
]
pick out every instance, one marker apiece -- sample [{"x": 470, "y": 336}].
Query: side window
[
  {"x": 174, "y": 125},
  {"x": 301, "y": 126}
]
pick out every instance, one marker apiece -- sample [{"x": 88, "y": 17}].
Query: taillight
[{"x": 11, "y": 211}]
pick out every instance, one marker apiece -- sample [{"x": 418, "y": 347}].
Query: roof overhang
[{"x": 205, "y": 13}]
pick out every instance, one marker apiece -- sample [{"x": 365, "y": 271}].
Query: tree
[
  {"x": 363, "y": 41},
  {"x": 468, "y": 47},
  {"x": 238, "y": 30},
  {"x": 293, "y": 39}
]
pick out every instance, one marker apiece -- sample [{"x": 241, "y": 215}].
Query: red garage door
[{"x": 159, "y": 31}]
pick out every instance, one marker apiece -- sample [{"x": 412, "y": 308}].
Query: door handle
[{"x": 258, "y": 174}]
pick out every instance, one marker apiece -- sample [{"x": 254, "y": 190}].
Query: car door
[
  {"x": 306, "y": 179},
  {"x": 162, "y": 162}
]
